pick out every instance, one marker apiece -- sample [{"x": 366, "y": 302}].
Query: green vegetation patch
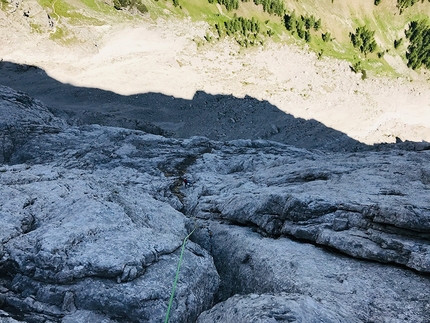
[
  {"x": 402, "y": 4},
  {"x": 4, "y": 4},
  {"x": 59, "y": 34},
  {"x": 364, "y": 40},
  {"x": 245, "y": 31},
  {"x": 97, "y": 6},
  {"x": 272, "y": 7},
  {"x": 63, "y": 9},
  {"x": 418, "y": 52},
  {"x": 302, "y": 25},
  {"x": 228, "y": 4},
  {"x": 36, "y": 28},
  {"x": 121, "y": 4}
]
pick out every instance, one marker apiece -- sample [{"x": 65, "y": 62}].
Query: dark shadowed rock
[
  {"x": 22, "y": 117},
  {"x": 332, "y": 288},
  {"x": 268, "y": 308},
  {"x": 6, "y": 318},
  {"x": 92, "y": 219},
  {"x": 218, "y": 117}
]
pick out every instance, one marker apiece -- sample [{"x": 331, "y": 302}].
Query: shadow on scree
[{"x": 218, "y": 117}]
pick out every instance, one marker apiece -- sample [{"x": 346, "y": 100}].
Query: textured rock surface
[
  {"x": 370, "y": 205},
  {"x": 89, "y": 223},
  {"x": 92, "y": 219},
  {"x": 21, "y": 118},
  {"x": 356, "y": 291},
  {"x": 6, "y": 318},
  {"x": 285, "y": 307}
]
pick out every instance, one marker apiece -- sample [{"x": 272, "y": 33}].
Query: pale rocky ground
[{"x": 163, "y": 57}]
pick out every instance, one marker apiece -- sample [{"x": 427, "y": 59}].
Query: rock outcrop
[
  {"x": 369, "y": 205},
  {"x": 266, "y": 308},
  {"x": 22, "y": 118},
  {"x": 89, "y": 223},
  {"x": 300, "y": 282},
  {"x": 93, "y": 218}
]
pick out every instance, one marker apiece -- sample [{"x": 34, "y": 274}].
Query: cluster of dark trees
[
  {"x": 272, "y": 7},
  {"x": 228, "y": 4},
  {"x": 301, "y": 25},
  {"x": 326, "y": 37},
  {"x": 242, "y": 25},
  {"x": 244, "y": 30},
  {"x": 418, "y": 53},
  {"x": 402, "y": 4},
  {"x": 363, "y": 40},
  {"x": 121, "y": 4}
]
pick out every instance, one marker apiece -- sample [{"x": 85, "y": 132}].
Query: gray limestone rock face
[
  {"x": 91, "y": 227},
  {"x": 305, "y": 283},
  {"x": 22, "y": 117},
  {"x": 99, "y": 242},
  {"x": 269, "y": 308},
  {"x": 6, "y": 318},
  {"x": 92, "y": 220},
  {"x": 86, "y": 316},
  {"x": 370, "y": 205}
]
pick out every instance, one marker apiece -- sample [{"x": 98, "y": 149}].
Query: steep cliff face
[{"x": 92, "y": 220}]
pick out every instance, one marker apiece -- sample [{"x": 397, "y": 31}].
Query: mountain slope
[
  {"x": 67, "y": 21},
  {"x": 166, "y": 51}
]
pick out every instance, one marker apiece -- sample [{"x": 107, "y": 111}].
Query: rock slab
[
  {"x": 89, "y": 228},
  {"x": 93, "y": 218}
]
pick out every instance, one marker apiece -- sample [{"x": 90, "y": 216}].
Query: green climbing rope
[{"x": 176, "y": 277}]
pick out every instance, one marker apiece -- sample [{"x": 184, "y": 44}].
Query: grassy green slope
[
  {"x": 342, "y": 17},
  {"x": 338, "y": 17}
]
